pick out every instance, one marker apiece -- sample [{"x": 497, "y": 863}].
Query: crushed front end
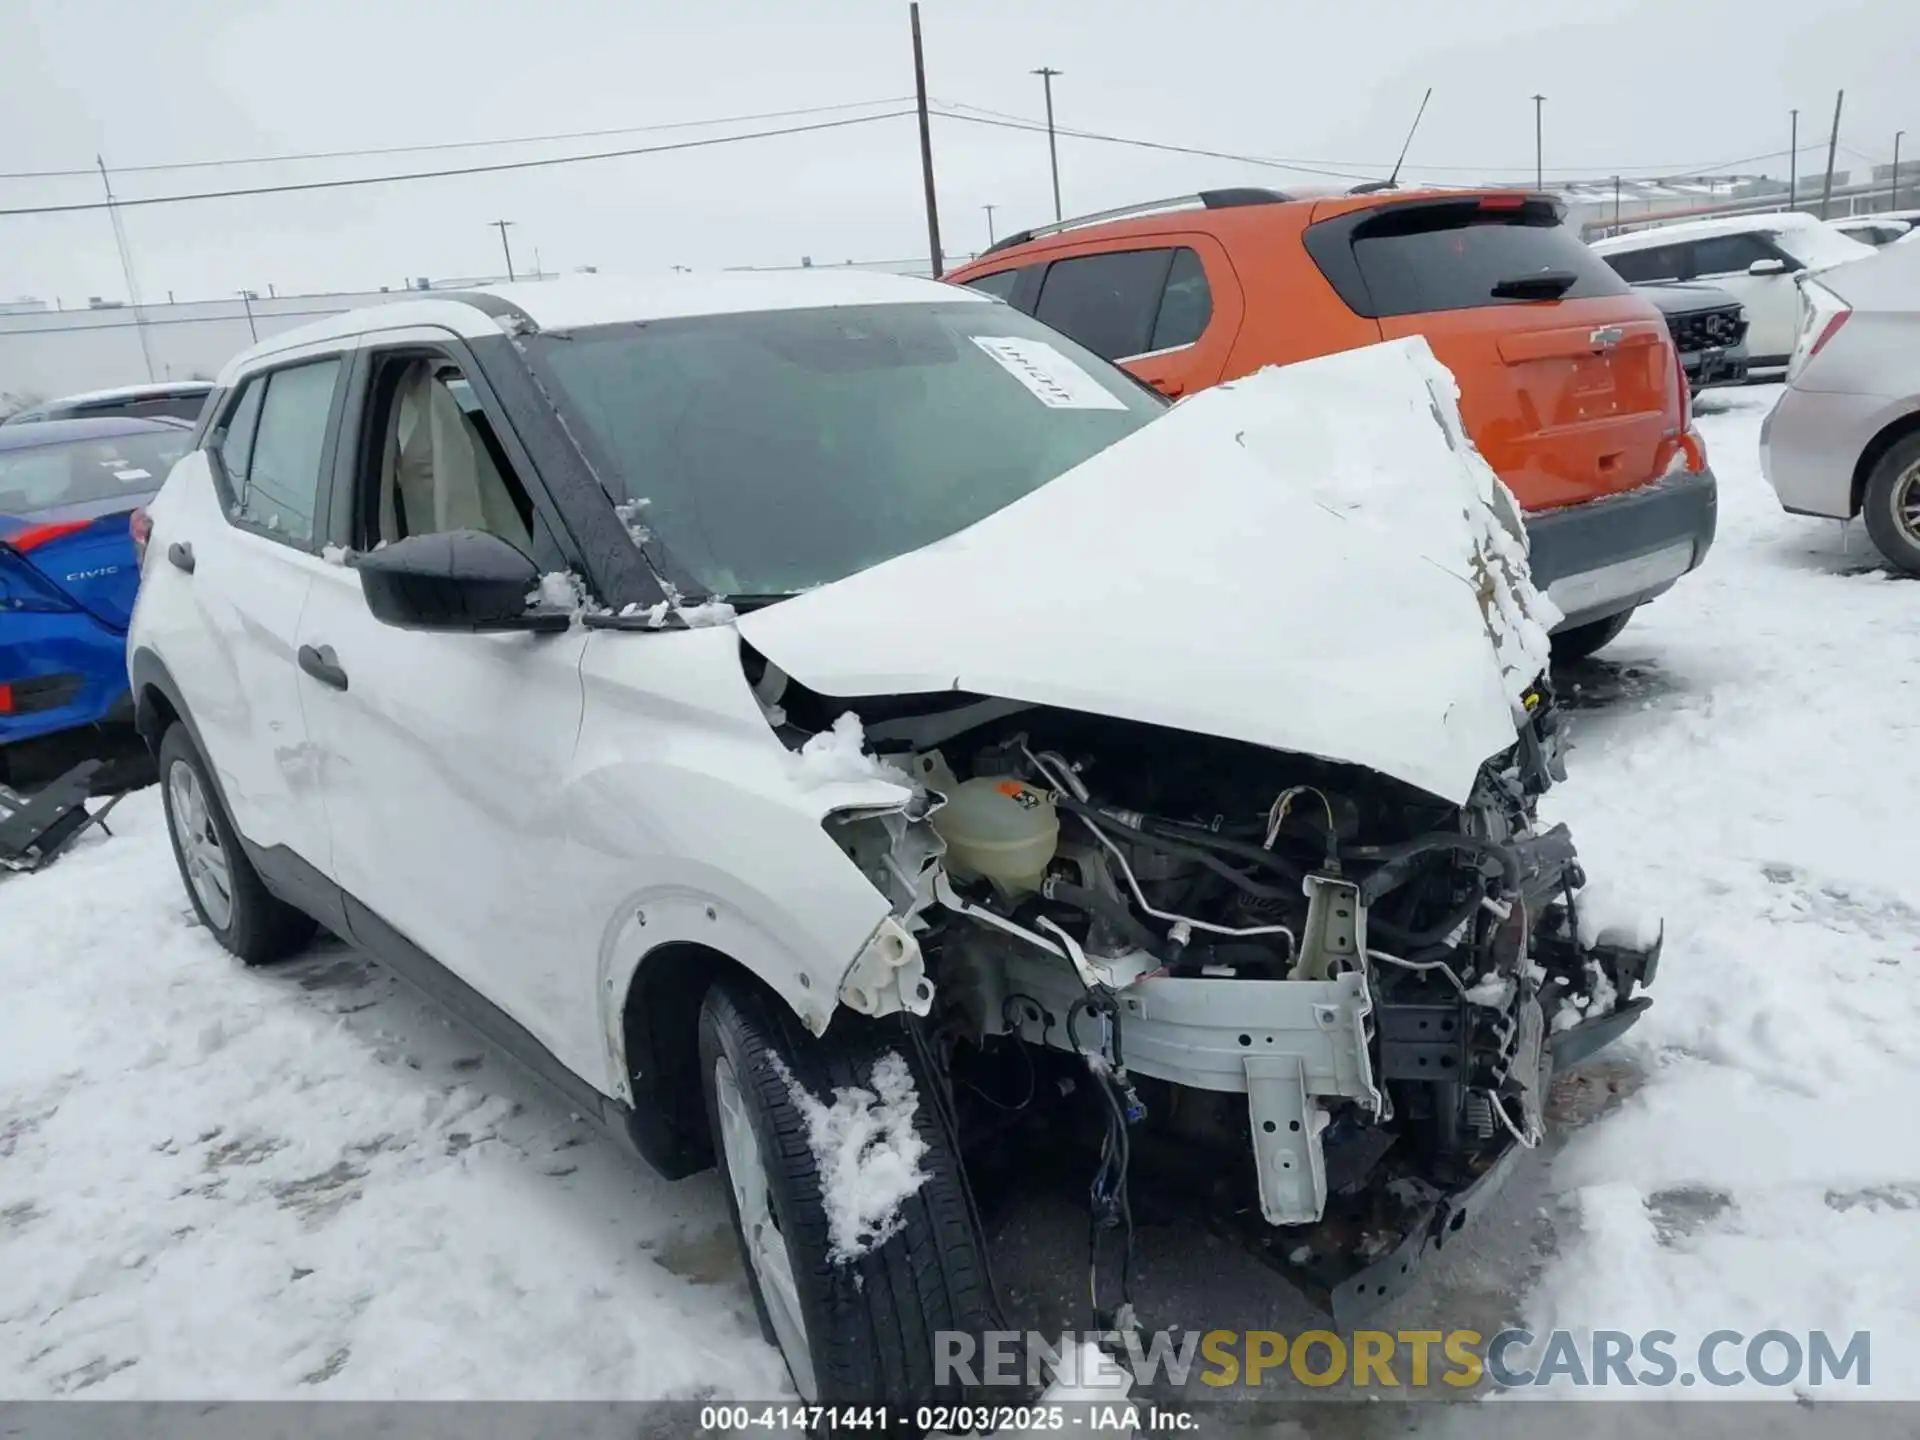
[{"x": 1311, "y": 1006}]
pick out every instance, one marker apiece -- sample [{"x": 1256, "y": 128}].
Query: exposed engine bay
[{"x": 1313, "y": 1004}]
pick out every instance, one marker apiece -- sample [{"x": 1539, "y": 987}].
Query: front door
[
  {"x": 445, "y": 756},
  {"x": 1772, "y": 300}
]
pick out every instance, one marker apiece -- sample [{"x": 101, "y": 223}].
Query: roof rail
[{"x": 1204, "y": 200}]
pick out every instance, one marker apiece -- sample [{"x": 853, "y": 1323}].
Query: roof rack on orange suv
[{"x": 1569, "y": 382}]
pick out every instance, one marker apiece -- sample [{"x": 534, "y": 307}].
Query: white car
[
  {"x": 1882, "y": 227},
  {"x": 1757, "y": 259},
  {"x": 838, "y": 727}
]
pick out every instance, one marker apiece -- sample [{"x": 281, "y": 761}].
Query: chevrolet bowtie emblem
[{"x": 1606, "y": 337}]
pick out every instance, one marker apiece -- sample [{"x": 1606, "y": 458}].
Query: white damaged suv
[{"x": 838, "y": 728}]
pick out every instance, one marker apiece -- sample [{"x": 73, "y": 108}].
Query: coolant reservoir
[{"x": 1003, "y": 831}]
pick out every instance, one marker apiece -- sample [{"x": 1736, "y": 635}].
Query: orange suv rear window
[{"x": 1434, "y": 255}]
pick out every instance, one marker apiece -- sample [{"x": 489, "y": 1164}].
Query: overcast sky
[{"x": 1639, "y": 86}]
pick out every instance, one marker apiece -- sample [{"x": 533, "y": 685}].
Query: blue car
[{"x": 68, "y": 568}]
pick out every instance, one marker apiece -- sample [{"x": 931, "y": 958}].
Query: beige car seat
[{"x": 437, "y": 473}]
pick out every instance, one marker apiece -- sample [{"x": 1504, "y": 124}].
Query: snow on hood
[{"x": 1314, "y": 559}]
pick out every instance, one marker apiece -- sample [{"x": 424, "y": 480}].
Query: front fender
[{"x": 690, "y": 825}]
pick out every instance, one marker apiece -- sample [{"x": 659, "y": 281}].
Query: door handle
[
  {"x": 323, "y": 665},
  {"x": 1172, "y": 389},
  {"x": 181, "y": 554}
]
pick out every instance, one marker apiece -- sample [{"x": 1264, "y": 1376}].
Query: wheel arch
[
  {"x": 156, "y": 699},
  {"x": 1874, "y": 452},
  {"x": 659, "y": 1033}
]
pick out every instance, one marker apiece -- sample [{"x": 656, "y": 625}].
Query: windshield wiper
[
  {"x": 1542, "y": 285},
  {"x": 744, "y": 603}
]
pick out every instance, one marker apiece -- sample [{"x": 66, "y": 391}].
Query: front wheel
[
  {"x": 859, "y": 1236},
  {"x": 1892, "y": 505},
  {"x": 227, "y": 892},
  {"x": 1583, "y": 641}
]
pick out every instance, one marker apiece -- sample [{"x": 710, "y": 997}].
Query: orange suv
[{"x": 1569, "y": 383}]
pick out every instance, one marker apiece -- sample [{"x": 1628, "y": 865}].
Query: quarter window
[{"x": 1187, "y": 305}]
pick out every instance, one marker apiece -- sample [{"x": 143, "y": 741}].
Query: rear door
[
  {"x": 1568, "y": 382},
  {"x": 238, "y": 537}
]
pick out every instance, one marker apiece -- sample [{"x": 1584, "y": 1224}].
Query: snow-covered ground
[
  {"x": 1757, "y": 785},
  {"x": 223, "y": 1183}
]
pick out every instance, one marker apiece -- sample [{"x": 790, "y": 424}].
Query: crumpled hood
[{"x": 1313, "y": 559}]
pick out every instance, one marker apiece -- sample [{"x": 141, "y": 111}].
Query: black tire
[
  {"x": 871, "y": 1321},
  {"x": 1583, "y": 641},
  {"x": 260, "y": 928},
  {"x": 1891, "y": 505}
]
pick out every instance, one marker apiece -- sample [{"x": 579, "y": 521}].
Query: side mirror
[
  {"x": 462, "y": 580},
  {"x": 1771, "y": 266}
]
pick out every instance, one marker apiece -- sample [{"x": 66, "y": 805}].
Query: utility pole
[
  {"x": 126, "y": 268},
  {"x": 1539, "y": 173},
  {"x": 1893, "y": 200},
  {"x": 991, "y": 208},
  {"x": 1833, "y": 141},
  {"x": 1046, "y": 74},
  {"x": 501, "y": 226},
  {"x": 926, "y": 145},
  {"x": 1793, "y": 164},
  {"x": 1616, "y": 202},
  {"x": 246, "y": 299}
]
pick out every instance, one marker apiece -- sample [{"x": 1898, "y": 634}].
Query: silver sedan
[{"x": 1844, "y": 438}]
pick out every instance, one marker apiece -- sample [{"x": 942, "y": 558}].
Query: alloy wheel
[
  {"x": 766, "y": 1247},
  {"x": 1906, "y": 503},
  {"x": 191, "y": 816}
]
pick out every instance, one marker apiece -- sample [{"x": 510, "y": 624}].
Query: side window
[
  {"x": 434, "y": 461},
  {"x": 1106, "y": 302},
  {"x": 231, "y": 442},
  {"x": 1662, "y": 262},
  {"x": 1729, "y": 254},
  {"x": 1187, "y": 305},
  {"x": 999, "y": 284},
  {"x": 282, "y": 487}
]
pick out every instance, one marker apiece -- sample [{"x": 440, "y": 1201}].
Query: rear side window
[
  {"x": 271, "y": 444},
  {"x": 1106, "y": 302},
  {"x": 1660, "y": 262},
  {"x": 1454, "y": 255}
]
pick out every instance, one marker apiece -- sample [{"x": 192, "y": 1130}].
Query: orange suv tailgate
[{"x": 1568, "y": 382}]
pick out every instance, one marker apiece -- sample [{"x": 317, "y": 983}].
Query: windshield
[
  {"x": 1820, "y": 246},
  {"x": 779, "y": 450},
  {"x": 82, "y": 472}
]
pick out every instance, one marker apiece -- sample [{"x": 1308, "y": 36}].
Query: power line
[
  {"x": 428, "y": 148},
  {"x": 1144, "y": 145},
  {"x": 492, "y": 169},
  {"x": 1351, "y": 169}
]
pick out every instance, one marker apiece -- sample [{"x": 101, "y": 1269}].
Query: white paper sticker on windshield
[
  {"x": 1057, "y": 381},
  {"x": 133, "y": 475}
]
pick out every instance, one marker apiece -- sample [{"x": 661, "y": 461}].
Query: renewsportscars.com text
[{"x": 1416, "y": 1359}]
